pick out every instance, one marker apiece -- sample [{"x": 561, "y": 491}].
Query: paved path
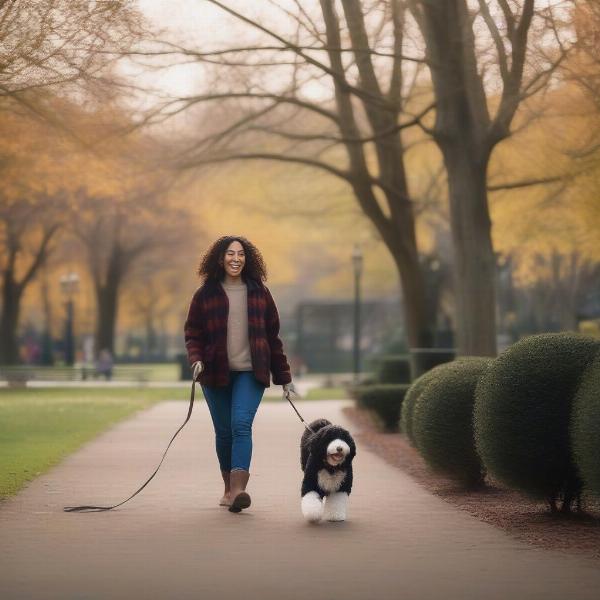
[{"x": 174, "y": 542}]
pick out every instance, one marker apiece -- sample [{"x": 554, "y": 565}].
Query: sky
[{"x": 198, "y": 23}]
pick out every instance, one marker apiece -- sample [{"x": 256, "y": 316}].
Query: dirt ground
[{"x": 517, "y": 514}]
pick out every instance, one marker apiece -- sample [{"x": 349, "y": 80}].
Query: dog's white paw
[
  {"x": 312, "y": 507},
  {"x": 335, "y": 506}
]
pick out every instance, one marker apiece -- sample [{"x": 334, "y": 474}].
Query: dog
[{"x": 326, "y": 459}]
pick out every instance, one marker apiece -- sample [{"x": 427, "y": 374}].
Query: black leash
[
  {"x": 101, "y": 508},
  {"x": 192, "y": 395},
  {"x": 299, "y": 415}
]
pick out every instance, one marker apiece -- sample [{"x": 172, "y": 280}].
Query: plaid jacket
[{"x": 205, "y": 333}]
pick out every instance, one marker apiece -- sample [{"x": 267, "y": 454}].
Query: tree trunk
[
  {"x": 475, "y": 265},
  {"x": 11, "y": 298},
  {"x": 419, "y": 330},
  {"x": 398, "y": 229},
  {"x": 107, "y": 309},
  {"x": 47, "y": 357},
  {"x": 151, "y": 336}
]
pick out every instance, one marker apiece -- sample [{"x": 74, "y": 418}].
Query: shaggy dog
[{"x": 326, "y": 459}]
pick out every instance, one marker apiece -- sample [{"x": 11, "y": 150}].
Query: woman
[{"x": 233, "y": 344}]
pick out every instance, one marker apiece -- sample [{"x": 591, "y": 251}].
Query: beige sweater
[{"x": 238, "y": 345}]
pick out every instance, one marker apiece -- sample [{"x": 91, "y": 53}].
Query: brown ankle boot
[
  {"x": 225, "y": 500},
  {"x": 240, "y": 499}
]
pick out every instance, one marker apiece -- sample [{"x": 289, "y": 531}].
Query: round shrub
[
  {"x": 412, "y": 395},
  {"x": 415, "y": 390},
  {"x": 394, "y": 369},
  {"x": 522, "y": 412},
  {"x": 585, "y": 427},
  {"x": 443, "y": 421},
  {"x": 385, "y": 401}
]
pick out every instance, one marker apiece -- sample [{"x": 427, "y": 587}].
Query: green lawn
[
  {"x": 39, "y": 427},
  {"x": 334, "y": 393},
  {"x": 154, "y": 371}
]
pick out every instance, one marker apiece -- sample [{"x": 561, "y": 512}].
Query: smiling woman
[{"x": 232, "y": 338}]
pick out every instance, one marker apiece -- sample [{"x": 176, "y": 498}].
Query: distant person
[
  {"x": 233, "y": 344},
  {"x": 104, "y": 364}
]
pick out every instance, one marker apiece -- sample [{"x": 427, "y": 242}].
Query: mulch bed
[{"x": 526, "y": 519}]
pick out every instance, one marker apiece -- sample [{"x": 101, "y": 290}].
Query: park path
[{"x": 173, "y": 542}]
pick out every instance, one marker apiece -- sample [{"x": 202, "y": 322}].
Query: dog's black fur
[{"x": 313, "y": 456}]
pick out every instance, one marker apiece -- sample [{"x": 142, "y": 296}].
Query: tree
[
  {"x": 66, "y": 45},
  {"x": 466, "y": 132},
  {"x": 361, "y": 123},
  {"x": 370, "y": 61},
  {"x": 118, "y": 231},
  {"x": 28, "y": 227},
  {"x": 32, "y": 207}
]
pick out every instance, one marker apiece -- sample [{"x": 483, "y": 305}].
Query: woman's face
[{"x": 234, "y": 259}]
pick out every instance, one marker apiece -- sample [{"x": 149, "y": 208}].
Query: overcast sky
[{"x": 198, "y": 23}]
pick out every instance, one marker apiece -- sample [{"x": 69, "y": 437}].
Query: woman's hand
[
  {"x": 197, "y": 368},
  {"x": 289, "y": 391}
]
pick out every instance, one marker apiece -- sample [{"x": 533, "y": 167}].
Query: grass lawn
[
  {"x": 154, "y": 371},
  {"x": 333, "y": 393},
  {"x": 39, "y": 427}
]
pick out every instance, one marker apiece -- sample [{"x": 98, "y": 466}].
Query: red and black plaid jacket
[{"x": 206, "y": 335}]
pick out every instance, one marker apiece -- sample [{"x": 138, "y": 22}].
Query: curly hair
[{"x": 211, "y": 265}]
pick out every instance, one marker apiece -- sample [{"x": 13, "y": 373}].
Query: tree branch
[
  {"x": 40, "y": 256},
  {"x": 528, "y": 182},
  {"x": 495, "y": 33},
  {"x": 509, "y": 101},
  {"x": 361, "y": 93},
  {"x": 345, "y": 175},
  {"x": 395, "y": 89}
]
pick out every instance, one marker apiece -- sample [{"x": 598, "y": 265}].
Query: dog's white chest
[{"x": 330, "y": 482}]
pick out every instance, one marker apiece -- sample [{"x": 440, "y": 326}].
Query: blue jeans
[{"x": 232, "y": 409}]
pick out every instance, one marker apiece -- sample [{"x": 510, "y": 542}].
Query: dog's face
[
  {"x": 337, "y": 450},
  {"x": 334, "y": 445}
]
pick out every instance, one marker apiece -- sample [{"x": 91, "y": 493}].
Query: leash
[
  {"x": 102, "y": 508},
  {"x": 192, "y": 396},
  {"x": 299, "y": 415}
]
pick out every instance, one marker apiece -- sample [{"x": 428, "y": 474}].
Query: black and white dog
[{"x": 326, "y": 459}]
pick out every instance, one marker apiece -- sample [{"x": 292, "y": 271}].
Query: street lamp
[
  {"x": 357, "y": 261},
  {"x": 68, "y": 285}
]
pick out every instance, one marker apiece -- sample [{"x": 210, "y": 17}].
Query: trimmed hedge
[
  {"x": 412, "y": 395},
  {"x": 522, "y": 412},
  {"x": 394, "y": 369},
  {"x": 442, "y": 425},
  {"x": 415, "y": 390},
  {"x": 585, "y": 427},
  {"x": 384, "y": 400}
]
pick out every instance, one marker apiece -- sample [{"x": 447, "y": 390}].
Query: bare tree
[
  {"x": 371, "y": 60},
  {"x": 354, "y": 132},
  {"x": 28, "y": 226},
  {"x": 466, "y": 132},
  {"x": 47, "y": 46},
  {"x": 116, "y": 234}
]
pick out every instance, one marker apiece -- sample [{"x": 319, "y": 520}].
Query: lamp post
[
  {"x": 69, "y": 284},
  {"x": 357, "y": 261}
]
